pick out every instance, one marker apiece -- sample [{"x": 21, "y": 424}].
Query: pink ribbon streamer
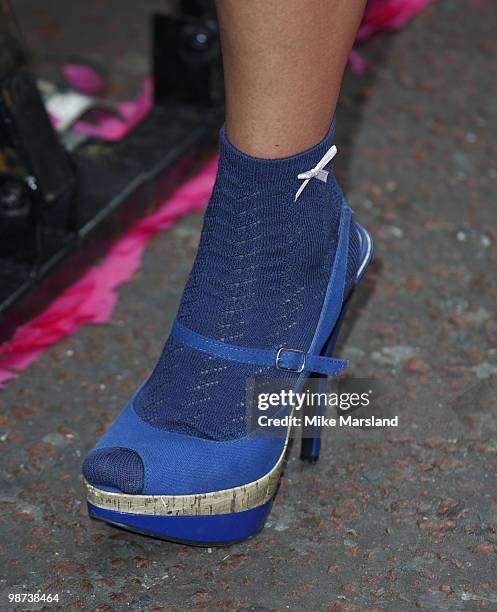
[
  {"x": 388, "y": 15},
  {"x": 112, "y": 128},
  {"x": 92, "y": 298},
  {"x": 83, "y": 78},
  {"x": 383, "y": 15}
]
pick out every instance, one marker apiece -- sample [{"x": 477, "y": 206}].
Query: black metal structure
[{"x": 60, "y": 210}]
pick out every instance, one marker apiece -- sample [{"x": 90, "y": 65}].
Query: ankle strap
[{"x": 285, "y": 359}]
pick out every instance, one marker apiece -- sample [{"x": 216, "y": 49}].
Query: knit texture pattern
[
  {"x": 119, "y": 468},
  {"x": 259, "y": 280}
]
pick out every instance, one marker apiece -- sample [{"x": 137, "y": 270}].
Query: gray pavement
[{"x": 389, "y": 519}]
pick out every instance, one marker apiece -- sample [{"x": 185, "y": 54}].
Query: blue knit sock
[{"x": 259, "y": 280}]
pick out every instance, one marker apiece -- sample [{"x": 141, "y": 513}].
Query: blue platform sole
[
  {"x": 214, "y": 530},
  {"x": 211, "y": 529}
]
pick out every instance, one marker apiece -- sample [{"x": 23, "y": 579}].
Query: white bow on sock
[{"x": 317, "y": 171}]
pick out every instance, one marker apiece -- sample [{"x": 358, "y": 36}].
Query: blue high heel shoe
[
  {"x": 222, "y": 491},
  {"x": 265, "y": 300}
]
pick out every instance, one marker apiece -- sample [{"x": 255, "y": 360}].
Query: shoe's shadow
[
  {"x": 357, "y": 89},
  {"x": 359, "y": 301}
]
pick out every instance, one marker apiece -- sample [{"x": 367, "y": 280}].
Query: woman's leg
[{"x": 283, "y": 65}]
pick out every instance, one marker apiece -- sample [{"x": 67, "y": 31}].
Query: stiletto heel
[
  {"x": 311, "y": 437},
  {"x": 311, "y": 444}
]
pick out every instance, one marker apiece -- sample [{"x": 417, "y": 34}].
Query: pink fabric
[
  {"x": 110, "y": 127},
  {"x": 388, "y": 15},
  {"x": 358, "y": 63},
  {"x": 83, "y": 78},
  {"x": 92, "y": 298},
  {"x": 381, "y": 15}
]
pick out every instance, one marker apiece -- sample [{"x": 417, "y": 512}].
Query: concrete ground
[{"x": 389, "y": 519}]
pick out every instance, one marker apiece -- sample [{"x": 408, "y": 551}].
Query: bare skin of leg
[{"x": 283, "y": 64}]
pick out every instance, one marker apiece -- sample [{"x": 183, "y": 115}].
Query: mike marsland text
[{"x": 321, "y": 421}]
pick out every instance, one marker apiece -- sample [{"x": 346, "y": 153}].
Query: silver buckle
[{"x": 288, "y": 350}]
